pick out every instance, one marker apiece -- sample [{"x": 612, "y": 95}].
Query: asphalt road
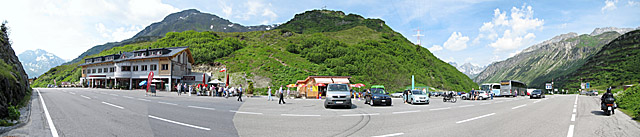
[{"x": 101, "y": 112}]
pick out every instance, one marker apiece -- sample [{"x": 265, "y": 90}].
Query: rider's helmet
[{"x": 609, "y": 90}]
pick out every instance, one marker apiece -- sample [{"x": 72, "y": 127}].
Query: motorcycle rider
[{"x": 606, "y": 95}]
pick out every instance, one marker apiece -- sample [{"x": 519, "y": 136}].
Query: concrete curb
[{"x": 24, "y": 117}]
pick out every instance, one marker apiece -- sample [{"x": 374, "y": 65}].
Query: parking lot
[{"x": 79, "y": 112}]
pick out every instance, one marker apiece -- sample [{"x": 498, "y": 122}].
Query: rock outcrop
[{"x": 14, "y": 84}]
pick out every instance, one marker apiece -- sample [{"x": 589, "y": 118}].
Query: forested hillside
[{"x": 371, "y": 56}]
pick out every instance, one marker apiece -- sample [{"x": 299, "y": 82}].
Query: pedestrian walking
[
  {"x": 179, "y": 87},
  {"x": 190, "y": 89},
  {"x": 239, "y": 93},
  {"x": 281, "y": 96},
  {"x": 269, "y": 92},
  {"x": 184, "y": 88},
  {"x": 212, "y": 91}
]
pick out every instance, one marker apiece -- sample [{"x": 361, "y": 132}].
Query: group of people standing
[{"x": 213, "y": 90}]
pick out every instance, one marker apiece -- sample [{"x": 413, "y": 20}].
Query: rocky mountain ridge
[
  {"x": 468, "y": 69},
  {"x": 14, "y": 84},
  {"x": 548, "y": 60},
  {"x": 37, "y": 62}
]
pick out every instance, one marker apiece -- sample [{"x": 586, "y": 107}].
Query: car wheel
[
  {"x": 480, "y": 98},
  {"x": 411, "y": 102},
  {"x": 325, "y": 106}
]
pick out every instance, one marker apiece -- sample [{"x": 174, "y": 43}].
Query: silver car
[
  {"x": 418, "y": 96},
  {"x": 338, "y": 95}
]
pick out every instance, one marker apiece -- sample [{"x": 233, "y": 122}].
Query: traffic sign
[{"x": 548, "y": 86}]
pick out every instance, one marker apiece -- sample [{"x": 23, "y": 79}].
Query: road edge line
[{"x": 54, "y": 131}]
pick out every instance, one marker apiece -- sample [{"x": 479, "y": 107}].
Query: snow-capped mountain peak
[
  {"x": 36, "y": 62},
  {"x": 468, "y": 69}
]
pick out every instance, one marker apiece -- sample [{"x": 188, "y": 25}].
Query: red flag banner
[{"x": 149, "y": 78}]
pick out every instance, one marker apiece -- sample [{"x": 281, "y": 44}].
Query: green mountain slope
[
  {"x": 548, "y": 60},
  {"x": 371, "y": 56},
  {"x": 614, "y": 65},
  {"x": 190, "y": 19}
]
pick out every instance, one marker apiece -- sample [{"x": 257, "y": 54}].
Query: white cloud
[
  {"x": 456, "y": 42},
  {"x": 468, "y": 59},
  {"x": 633, "y": 3},
  {"x": 516, "y": 29},
  {"x": 68, "y": 28},
  {"x": 257, "y": 10},
  {"x": 117, "y": 34},
  {"x": 609, "y": 5},
  {"x": 435, "y": 48}
]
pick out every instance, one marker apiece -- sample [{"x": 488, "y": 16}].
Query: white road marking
[
  {"x": 570, "y": 133},
  {"x": 537, "y": 101},
  {"x": 85, "y": 97},
  {"x": 390, "y": 135},
  {"x": 485, "y": 103},
  {"x": 242, "y": 112},
  {"x": 575, "y": 103},
  {"x": 144, "y": 100},
  {"x": 466, "y": 106},
  {"x": 72, "y": 93},
  {"x": 113, "y": 105},
  {"x": 52, "y": 127},
  {"x": 573, "y": 117},
  {"x": 167, "y": 103},
  {"x": 440, "y": 108},
  {"x": 574, "y": 110},
  {"x": 499, "y": 101},
  {"x": 128, "y": 97},
  {"x": 519, "y": 106},
  {"x": 351, "y": 115},
  {"x": 179, "y": 123},
  {"x": 575, "y": 106},
  {"x": 201, "y": 107},
  {"x": 299, "y": 115},
  {"x": 401, "y": 112},
  {"x": 479, "y": 117}
]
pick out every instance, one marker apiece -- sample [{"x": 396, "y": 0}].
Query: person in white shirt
[
  {"x": 269, "y": 92},
  {"x": 281, "y": 96}
]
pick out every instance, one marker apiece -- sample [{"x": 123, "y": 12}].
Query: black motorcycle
[
  {"x": 449, "y": 97},
  {"x": 608, "y": 105}
]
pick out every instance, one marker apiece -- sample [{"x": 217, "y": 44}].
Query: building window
[
  {"x": 99, "y": 70},
  {"x": 143, "y": 68},
  {"x": 125, "y": 68},
  {"x": 105, "y": 70},
  {"x": 93, "y": 71},
  {"x": 153, "y": 67},
  {"x": 135, "y": 68},
  {"x": 83, "y": 72},
  {"x": 111, "y": 69},
  {"x": 165, "y": 66}
]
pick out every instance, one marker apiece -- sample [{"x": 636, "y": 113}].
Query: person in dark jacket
[{"x": 606, "y": 95}]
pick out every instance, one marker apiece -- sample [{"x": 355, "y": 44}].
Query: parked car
[
  {"x": 592, "y": 93},
  {"x": 378, "y": 96},
  {"x": 482, "y": 95},
  {"x": 537, "y": 94},
  {"x": 337, "y": 95},
  {"x": 397, "y": 95},
  {"x": 417, "y": 96}
]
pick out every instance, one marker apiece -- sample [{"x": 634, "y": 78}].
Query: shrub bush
[{"x": 630, "y": 100}]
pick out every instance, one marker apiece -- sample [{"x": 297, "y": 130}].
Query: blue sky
[{"x": 475, "y": 31}]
